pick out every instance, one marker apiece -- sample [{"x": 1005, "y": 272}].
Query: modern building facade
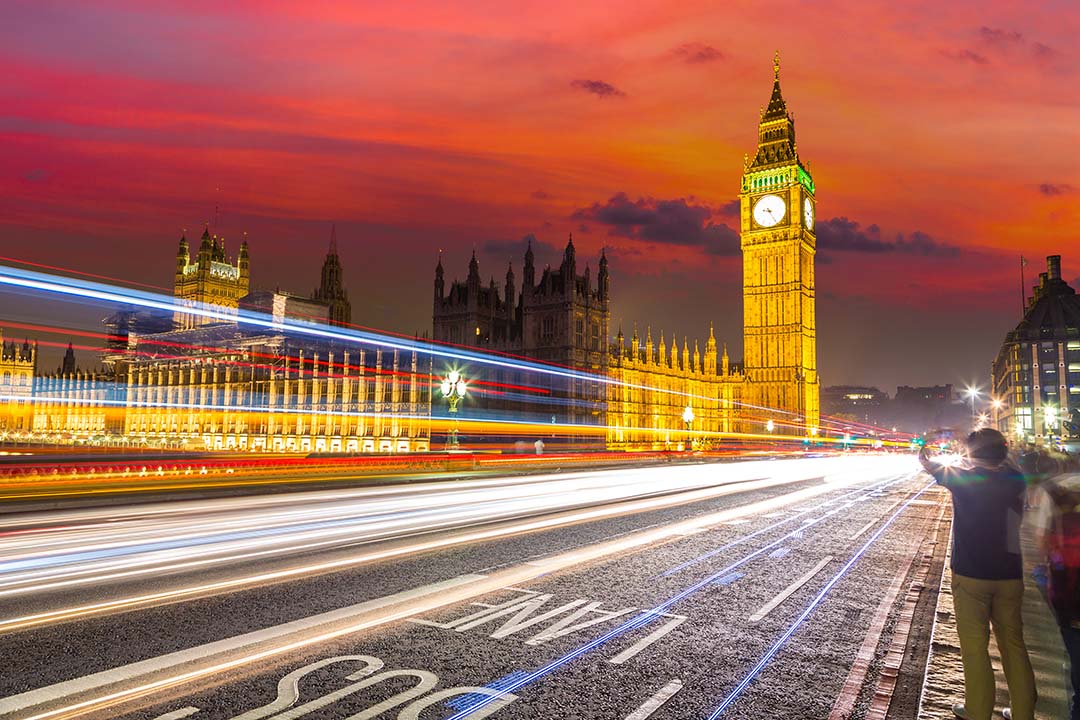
[
  {"x": 1036, "y": 374},
  {"x": 777, "y": 209}
]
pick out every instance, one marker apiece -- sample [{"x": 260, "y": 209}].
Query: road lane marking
[
  {"x": 177, "y": 714},
  {"x": 729, "y": 579},
  {"x": 633, "y": 650},
  {"x": 863, "y": 529},
  {"x": 144, "y": 668},
  {"x": 653, "y": 704},
  {"x": 779, "y": 552},
  {"x": 789, "y": 590},
  {"x": 870, "y": 524}
]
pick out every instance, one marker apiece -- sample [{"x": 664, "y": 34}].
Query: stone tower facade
[
  {"x": 331, "y": 290},
  {"x": 777, "y": 211},
  {"x": 18, "y": 365},
  {"x": 210, "y": 278}
]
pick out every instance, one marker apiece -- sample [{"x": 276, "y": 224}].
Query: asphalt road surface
[{"x": 740, "y": 590}]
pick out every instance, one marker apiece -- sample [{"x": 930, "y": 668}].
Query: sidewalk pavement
[{"x": 944, "y": 683}]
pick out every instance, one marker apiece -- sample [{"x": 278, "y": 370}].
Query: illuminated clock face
[
  {"x": 769, "y": 210},
  {"x": 808, "y": 213}
]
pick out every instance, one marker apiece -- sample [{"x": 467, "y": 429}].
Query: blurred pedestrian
[
  {"x": 1057, "y": 525},
  {"x": 987, "y": 572}
]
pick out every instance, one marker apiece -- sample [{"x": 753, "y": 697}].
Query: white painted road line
[
  {"x": 177, "y": 714},
  {"x": 787, "y": 592},
  {"x": 863, "y": 529},
  {"x": 135, "y": 671},
  {"x": 653, "y": 704},
  {"x": 628, "y": 653},
  {"x": 872, "y": 522}
]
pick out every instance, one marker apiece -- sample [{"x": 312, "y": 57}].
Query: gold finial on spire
[{"x": 776, "y": 65}]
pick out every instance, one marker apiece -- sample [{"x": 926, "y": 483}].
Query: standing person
[
  {"x": 1058, "y": 536},
  {"x": 988, "y": 573}
]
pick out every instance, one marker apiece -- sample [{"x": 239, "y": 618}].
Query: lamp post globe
[
  {"x": 453, "y": 388},
  {"x": 688, "y": 419}
]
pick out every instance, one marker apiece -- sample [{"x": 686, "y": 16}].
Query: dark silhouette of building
[
  {"x": 1036, "y": 374},
  {"x": 560, "y": 318},
  {"x": 855, "y": 403},
  {"x": 331, "y": 290},
  {"x": 929, "y": 407},
  {"x": 68, "y": 366}
]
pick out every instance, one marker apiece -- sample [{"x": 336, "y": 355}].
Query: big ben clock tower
[{"x": 777, "y": 210}]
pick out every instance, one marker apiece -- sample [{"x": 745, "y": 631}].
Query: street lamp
[
  {"x": 1050, "y": 415},
  {"x": 770, "y": 426},
  {"x": 972, "y": 393},
  {"x": 688, "y": 418},
  {"x": 453, "y": 389}
]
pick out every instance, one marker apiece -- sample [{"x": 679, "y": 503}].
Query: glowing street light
[
  {"x": 453, "y": 389},
  {"x": 688, "y": 418},
  {"x": 770, "y": 426},
  {"x": 972, "y": 394},
  {"x": 1050, "y": 418}
]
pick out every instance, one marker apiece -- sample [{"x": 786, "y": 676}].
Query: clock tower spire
[{"x": 777, "y": 210}]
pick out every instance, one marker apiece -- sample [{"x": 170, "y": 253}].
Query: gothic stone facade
[
  {"x": 562, "y": 318},
  {"x": 653, "y": 388},
  {"x": 18, "y": 365}
]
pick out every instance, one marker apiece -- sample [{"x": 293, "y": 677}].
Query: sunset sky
[{"x": 944, "y": 138}]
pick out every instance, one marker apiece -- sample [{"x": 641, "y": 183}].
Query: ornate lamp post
[
  {"x": 453, "y": 389},
  {"x": 688, "y": 418}
]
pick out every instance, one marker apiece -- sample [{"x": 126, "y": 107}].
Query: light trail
[
  {"x": 78, "y": 288},
  {"x": 603, "y": 495},
  {"x": 769, "y": 528}
]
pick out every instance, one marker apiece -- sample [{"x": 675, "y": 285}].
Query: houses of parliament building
[
  {"x": 203, "y": 378},
  {"x": 207, "y": 376}
]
